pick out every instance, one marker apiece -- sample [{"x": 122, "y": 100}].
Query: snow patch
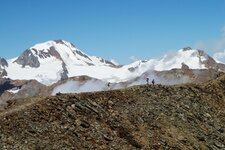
[{"x": 14, "y": 90}]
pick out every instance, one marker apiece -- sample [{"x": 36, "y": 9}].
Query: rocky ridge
[{"x": 189, "y": 116}]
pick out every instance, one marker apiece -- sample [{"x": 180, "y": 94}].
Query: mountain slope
[{"x": 143, "y": 117}]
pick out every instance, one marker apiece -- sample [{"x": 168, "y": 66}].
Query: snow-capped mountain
[
  {"x": 186, "y": 58},
  {"x": 52, "y": 61}
]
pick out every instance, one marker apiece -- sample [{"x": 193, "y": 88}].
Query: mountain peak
[
  {"x": 186, "y": 48},
  {"x": 58, "y": 49},
  {"x": 53, "y": 60},
  {"x": 59, "y": 41},
  {"x": 53, "y": 43}
]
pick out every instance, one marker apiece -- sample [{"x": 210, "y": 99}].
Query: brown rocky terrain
[{"x": 180, "y": 117}]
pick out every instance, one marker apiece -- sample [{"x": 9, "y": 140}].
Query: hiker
[
  {"x": 58, "y": 94},
  {"x": 108, "y": 84},
  {"x": 147, "y": 80},
  {"x": 153, "y": 82}
]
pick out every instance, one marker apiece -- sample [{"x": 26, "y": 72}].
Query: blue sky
[{"x": 114, "y": 29}]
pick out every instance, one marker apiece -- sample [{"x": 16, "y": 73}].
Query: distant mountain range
[
  {"x": 52, "y": 61},
  {"x": 58, "y": 66}
]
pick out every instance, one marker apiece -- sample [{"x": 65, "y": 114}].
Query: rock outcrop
[
  {"x": 3, "y": 64},
  {"x": 27, "y": 58}
]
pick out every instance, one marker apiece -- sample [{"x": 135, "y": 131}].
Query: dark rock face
[
  {"x": 187, "y": 48},
  {"x": 108, "y": 62},
  {"x": 42, "y": 54},
  {"x": 3, "y": 62},
  {"x": 132, "y": 69},
  {"x": 81, "y": 54},
  {"x": 28, "y": 59},
  {"x": 52, "y": 51},
  {"x": 3, "y": 73},
  {"x": 184, "y": 66},
  {"x": 90, "y": 64},
  {"x": 59, "y": 41},
  {"x": 64, "y": 74}
]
